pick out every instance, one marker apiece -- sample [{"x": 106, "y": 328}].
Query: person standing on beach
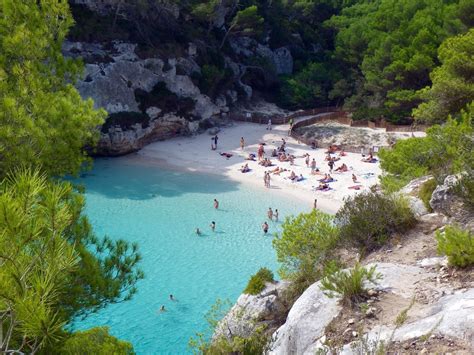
[
  {"x": 268, "y": 180},
  {"x": 315, "y": 205},
  {"x": 270, "y": 214},
  {"x": 307, "y": 160},
  {"x": 313, "y": 165},
  {"x": 242, "y": 143},
  {"x": 276, "y": 215},
  {"x": 269, "y": 125},
  {"x": 215, "y": 141},
  {"x": 291, "y": 126},
  {"x": 331, "y": 165}
]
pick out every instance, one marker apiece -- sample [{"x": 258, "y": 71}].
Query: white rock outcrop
[
  {"x": 251, "y": 311},
  {"x": 305, "y": 323},
  {"x": 451, "y": 316}
]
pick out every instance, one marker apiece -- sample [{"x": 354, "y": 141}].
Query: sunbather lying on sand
[
  {"x": 250, "y": 157},
  {"x": 369, "y": 159},
  {"x": 244, "y": 168},
  {"x": 327, "y": 178},
  {"x": 265, "y": 162},
  {"x": 278, "y": 170},
  {"x": 227, "y": 155},
  {"x": 354, "y": 179},
  {"x": 343, "y": 168},
  {"x": 322, "y": 187}
]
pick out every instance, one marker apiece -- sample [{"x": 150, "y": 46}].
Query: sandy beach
[{"x": 195, "y": 154}]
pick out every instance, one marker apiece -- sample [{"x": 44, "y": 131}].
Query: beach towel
[
  {"x": 355, "y": 187},
  {"x": 227, "y": 155},
  {"x": 374, "y": 160}
]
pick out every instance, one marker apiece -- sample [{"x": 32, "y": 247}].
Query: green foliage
[
  {"x": 255, "y": 344},
  {"x": 52, "y": 267},
  {"x": 391, "y": 47},
  {"x": 369, "y": 219},
  {"x": 425, "y": 192},
  {"x": 349, "y": 284},
  {"x": 95, "y": 341},
  {"x": 43, "y": 120},
  {"x": 257, "y": 282},
  {"x": 311, "y": 87},
  {"x": 306, "y": 240},
  {"x": 446, "y": 149},
  {"x": 453, "y": 82},
  {"x": 246, "y": 22},
  {"x": 457, "y": 244}
]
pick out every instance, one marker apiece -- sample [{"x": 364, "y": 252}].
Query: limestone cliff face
[
  {"x": 171, "y": 79},
  {"x": 121, "y": 82}
]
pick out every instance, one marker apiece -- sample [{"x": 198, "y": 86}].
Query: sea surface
[{"x": 160, "y": 209}]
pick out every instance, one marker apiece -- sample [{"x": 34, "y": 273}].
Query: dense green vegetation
[
  {"x": 447, "y": 149},
  {"x": 43, "y": 120},
  {"x": 378, "y": 58},
  {"x": 53, "y": 268},
  {"x": 368, "y": 220}
]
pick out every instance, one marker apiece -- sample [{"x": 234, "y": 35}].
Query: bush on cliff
[
  {"x": 307, "y": 243},
  {"x": 457, "y": 244},
  {"x": 425, "y": 192},
  {"x": 257, "y": 282},
  {"x": 349, "y": 284},
  {"x": 369, "y": 219}
]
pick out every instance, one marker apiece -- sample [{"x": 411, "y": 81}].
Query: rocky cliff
[
  {"x": 158, "y": 85},
  {"x": 419, "y": 305}
]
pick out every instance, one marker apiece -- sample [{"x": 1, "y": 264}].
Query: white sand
[{"x": 194, "y": 154}]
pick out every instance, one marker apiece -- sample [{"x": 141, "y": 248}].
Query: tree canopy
[{"x": 43, "y": 120}]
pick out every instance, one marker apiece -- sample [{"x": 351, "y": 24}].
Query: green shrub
[
  {"x": 369, "y": 219},
  {"x": 457, "y": 244},
  {"x": 425, "y": 192},
  {"x": 349, "y": 284},
  {"x": 257, "y": 282},
  {"x": 95, "y": 341},
  {"x": 255, "y": 344}
]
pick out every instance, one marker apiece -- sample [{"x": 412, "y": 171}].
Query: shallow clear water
[{"x": 160, "y": 210}]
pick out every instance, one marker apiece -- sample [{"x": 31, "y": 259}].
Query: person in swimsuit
[
  {"x": 265, "y": 227},
  {"x": 198, "y": 232},
  {"x": 242, "y": 143},
  {"x": 216, "y": 204},
  {"x": 276, "y": 215},
  {"x": 270, "y": 214},
  {"x": 213, "y": 226},
  {"x": 315, "y": 205}
]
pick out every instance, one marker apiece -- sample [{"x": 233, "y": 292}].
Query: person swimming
[
  {"x": 213, "y": 226},
  {"x": 198, "y": 232},
  {"x": 172, "y": 298},
  {"x": 162, "y": 308},
  {"x": 265, "y": 227}
]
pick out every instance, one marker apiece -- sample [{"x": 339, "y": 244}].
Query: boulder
[
  {"x": 305, "y": 323},
  {"x": 411, "y": 190},
  {"x": 251, "y": 311},
  {"x": 451, "y": 316},
  {"x": 117, "y": 142},
  {"x": 445, "y": 200}
]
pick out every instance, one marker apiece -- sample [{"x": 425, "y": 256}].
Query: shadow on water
[{"x": 119, "y": 178}]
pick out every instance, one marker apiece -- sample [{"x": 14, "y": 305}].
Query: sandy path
[{"x": 194, "y": 154}]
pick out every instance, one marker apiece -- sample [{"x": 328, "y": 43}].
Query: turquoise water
[{"x": 160, "y": 210}]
